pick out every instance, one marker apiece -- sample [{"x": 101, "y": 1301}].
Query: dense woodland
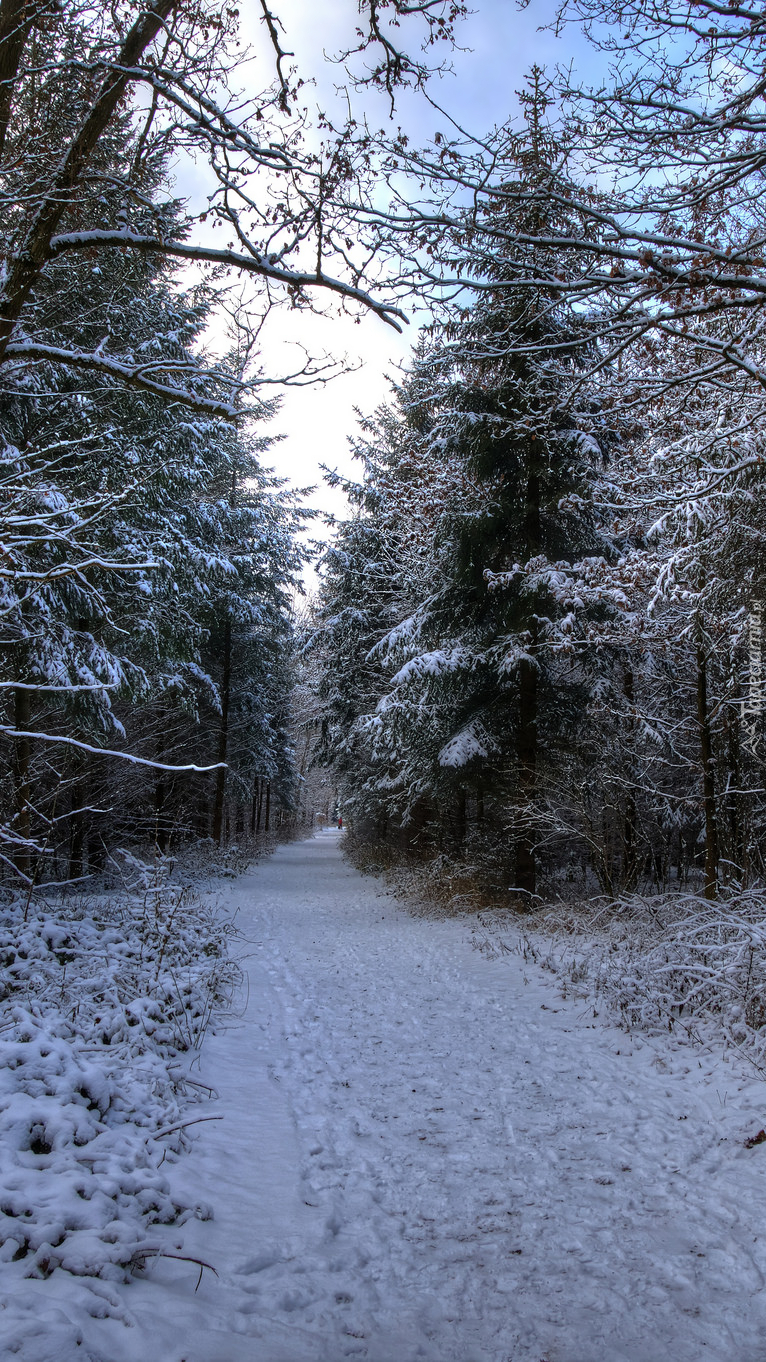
[
  {"x": 150, "y": 559},
  {"x": 536, "y": 652},
  {"x": 532, "y": 678},
  {"x": 539, "y": 642}
]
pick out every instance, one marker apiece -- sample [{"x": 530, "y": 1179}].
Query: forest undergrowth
[
  {"x": 432, "y": 883},
  {"x": 672, "y": 963}
]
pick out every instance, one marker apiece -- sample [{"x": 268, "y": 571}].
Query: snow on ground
[
  {"x": 103, "y": 1001},
  {"x": 426, "y": 1154}
]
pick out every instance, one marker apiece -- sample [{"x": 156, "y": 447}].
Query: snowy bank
[
  {"x": 105, "y": 1001},
  {"x": 674, "y": 964}
]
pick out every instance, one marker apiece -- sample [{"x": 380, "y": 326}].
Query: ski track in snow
[{"x": 429, "y": 1155}]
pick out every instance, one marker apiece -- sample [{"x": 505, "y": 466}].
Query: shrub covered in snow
[
  {"x": 102, "y": 999},
  {"x": 669, "y": 962}
]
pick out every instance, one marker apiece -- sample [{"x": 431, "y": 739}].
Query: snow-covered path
[{"x": 429, "y": 1155}]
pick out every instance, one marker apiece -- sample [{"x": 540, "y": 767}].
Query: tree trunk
[
  {"x": 267, "y": 821},
  {"x": 29, "y": 260},
  {"x": 734, "y": 817},
  {"x": 202, "y": 813},
  {"x": 629, "y": 831},
  {"x": 21, "y": 778},
  {"x": 223, "y": 736},
  {"x": 460, "y": 820},
  {"x": 16, "y": 20},
  {"x": 77, "y": 823},
  {"x": 302, "y": 812},
  {"x": 161, "y": 793},
  {"x": 526, "y": 870},
  {"x": 708, "y": 776}
]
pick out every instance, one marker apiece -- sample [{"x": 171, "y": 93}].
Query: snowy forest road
[{"x": 430, "y": 1155}]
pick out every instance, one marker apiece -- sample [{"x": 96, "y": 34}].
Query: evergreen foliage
[
  {"x": 480, "y": 486},
  {"x": 149, "y": 569}
]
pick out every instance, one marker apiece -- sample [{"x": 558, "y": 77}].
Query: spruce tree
[{"x": 489, "y": 672}]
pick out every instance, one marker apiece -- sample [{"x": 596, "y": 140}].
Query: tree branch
[
  {"x": 131, "y": 376},
  {"x": 250, "y": 264},
  {"x": 104, "y": 751}
]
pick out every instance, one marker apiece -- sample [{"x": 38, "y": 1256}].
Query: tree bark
[
  {"x": 223, "y": 736},
  {"x": 708, "y": 775},
  {"x": 630, "y": 820},
  {"x": 733, "y": 798},
  {"x": 77, "y": 829},
  {"x": 526, "y": 869},
  {"x": 21, "y": 763},
  {"x": 461, "y": 820},
  {"x": 16, "y": 20}
]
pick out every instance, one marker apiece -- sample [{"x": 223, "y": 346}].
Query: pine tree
[
  {"x": 119, "y": 534},
  {"x": 489, "y": 672}
]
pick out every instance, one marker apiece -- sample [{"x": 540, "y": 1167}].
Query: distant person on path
[{"x": 340, "y": 821}]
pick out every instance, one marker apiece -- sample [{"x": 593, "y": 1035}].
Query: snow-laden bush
[
  {"x": 669, "y": 962},
  {"x": 101, "y": 1000},
  {"x": 681, "y": 963}
]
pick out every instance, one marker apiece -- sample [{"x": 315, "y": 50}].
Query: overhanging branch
[{"x": 248, "y": 264}]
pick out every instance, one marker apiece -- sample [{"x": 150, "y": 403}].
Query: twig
[
  {"x": 180, "y": 1257},
  {"x": 160, "y": 1134}
]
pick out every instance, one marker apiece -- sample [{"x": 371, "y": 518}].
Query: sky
[{"x": 499, "y": 44}]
